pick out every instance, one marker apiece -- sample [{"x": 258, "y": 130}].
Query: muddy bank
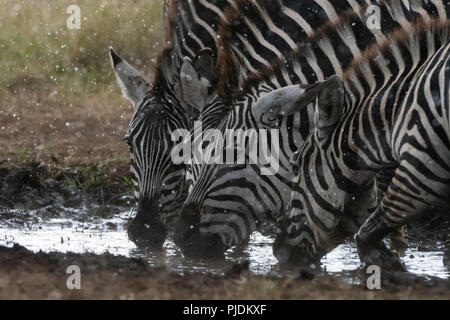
[
  {"x": 51, "y": 191},
  {"x": 86, "y": 208},
  {"x": 24, "y": 275}
]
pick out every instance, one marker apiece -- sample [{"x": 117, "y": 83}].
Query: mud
[
  {"x": 52, "y": 218},
  {"x": 26, "y": 275},
  {"x": 50, "y": 192}
]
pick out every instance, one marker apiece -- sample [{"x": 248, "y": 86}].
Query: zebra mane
[
  {"x": 411, "y": 37},
  {"x": 229, "y": 66},
  {"x": 161, "y": 72},
  {"x": 178, "y": 23}
]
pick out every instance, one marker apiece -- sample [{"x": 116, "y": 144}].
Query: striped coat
[
  {"x": 391, "y": 110},
  {"x": 227, "y": 202}
]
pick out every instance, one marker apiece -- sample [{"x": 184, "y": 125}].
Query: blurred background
[{"x": 59, "y": 102}]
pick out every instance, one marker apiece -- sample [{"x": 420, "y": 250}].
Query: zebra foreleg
[
  {"x": 371, "y": 249},
  {"x": 399, "y": 236}
]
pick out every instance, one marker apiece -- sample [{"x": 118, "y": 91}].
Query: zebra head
[
  {"x": 230, "y": 198},
  {"x": 315, "y": 222},
  {"x": 159, "y": 110}
]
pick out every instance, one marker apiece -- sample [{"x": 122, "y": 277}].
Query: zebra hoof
[
  {"x": 193, "y": 244},
  {"x": 376, "y": 253},
  {"x": 149, "y": 236}
]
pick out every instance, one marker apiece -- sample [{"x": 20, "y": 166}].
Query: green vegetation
[
  {"x": 60, "y": 104},
  {"x": 37, "y": 46}
]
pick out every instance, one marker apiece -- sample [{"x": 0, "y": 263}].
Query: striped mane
[
  {"x": 233, "y": 81},
  {"x": 265, "y": 73},
  {"x": 170, "y": 13},
  {"x": 418, "y": 30},
  {"x": 228, "y": 65}
]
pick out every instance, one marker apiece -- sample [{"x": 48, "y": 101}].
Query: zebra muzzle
[
  {"x": 146, "y": 229},
  {"x": 192, "y": 242}
]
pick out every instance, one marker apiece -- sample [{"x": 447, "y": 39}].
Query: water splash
[{"x": 99, "y": 235}]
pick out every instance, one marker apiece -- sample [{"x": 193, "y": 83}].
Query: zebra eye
[{"x": 270, "y": 120}]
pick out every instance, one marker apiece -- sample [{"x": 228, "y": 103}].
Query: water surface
[{"x": 99, "y": 235}]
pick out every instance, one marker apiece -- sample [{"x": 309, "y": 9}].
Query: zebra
[
  {"x": 254, "y": 36},
  {"x": 390, "y": 108},
  {"x": 193, "y": 30},
  {"x": 171, "y": 102},
  {"x": 227, "y": 202},
  {"x": 190, "y": 27}
]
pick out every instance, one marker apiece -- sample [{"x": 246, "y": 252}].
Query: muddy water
[{"x": 99, "y": 235}]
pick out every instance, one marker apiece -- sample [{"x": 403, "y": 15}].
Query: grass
[
  {"x": 91, "y": 178},
  {"x": 36, "y": 44},
  {"x": 59, "y": 103}
]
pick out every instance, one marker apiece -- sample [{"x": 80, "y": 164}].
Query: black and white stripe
[
  {"x": 392, "y": 111},
  {"x": 161, "y": 108},
  {"x": 228, "y": 201},
  {"x": 258, "y": 32}
]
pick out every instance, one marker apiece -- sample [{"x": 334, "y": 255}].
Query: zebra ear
[
  {"x": 193, "y": 85},
  {"x": 134, "y": 86},
  {"x": 284, "y": 102},
  {"x": 330, "y": 103}
]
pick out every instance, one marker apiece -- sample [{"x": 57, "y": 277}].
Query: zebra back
[
  {"x": 251, "y": 37},
  {"x": 234, "y": 190},
  {"x": 371, "y": 133}
]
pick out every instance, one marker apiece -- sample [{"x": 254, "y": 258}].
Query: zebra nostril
[{"x": 296, "y": 170}]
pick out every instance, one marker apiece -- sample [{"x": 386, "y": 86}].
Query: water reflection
[{"x": 109, "y": 235}]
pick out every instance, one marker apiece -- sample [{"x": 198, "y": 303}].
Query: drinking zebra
[
  {"x": 228, "y": 201},
  {"x": 170, "y": 103},
  {"x": 389, "y": 110},
  {"x": 190, "y": 26},
  {"x": 258, "y": 32}
]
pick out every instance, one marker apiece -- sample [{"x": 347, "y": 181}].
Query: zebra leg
[
  {"x": 369, "y": 241},
  {"x": 399, "y": 236},
  {"x": 406, "y": 198}
]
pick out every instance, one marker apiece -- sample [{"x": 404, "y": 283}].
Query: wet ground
[
  {"x": 43, "y": 215},
  {"x": 108, "y": 235}
]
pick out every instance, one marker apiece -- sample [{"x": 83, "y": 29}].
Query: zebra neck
[
  {"x": 189, "y": 27},
  {"x": 255, "y": 50},
  {"x": 376, "y": 85}
]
